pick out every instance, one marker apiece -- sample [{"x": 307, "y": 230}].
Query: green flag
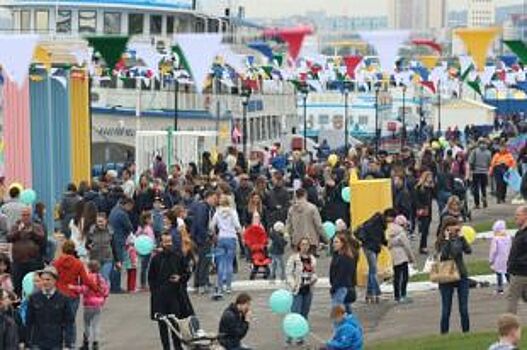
[
  {"x": 464, "y": 75},
  {"x": 111, "y": 48},
  {"x": 279, "y": 58},
  {"x": 268, "y": 70},
  {"x": 519, "y": 48},
  {"x": 475, "y": 85},
  {"x": 182, "y": 59}
]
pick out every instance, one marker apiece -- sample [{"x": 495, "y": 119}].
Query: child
[
  {"x": 277, "y": 250},
  {"x": 93, "y": 303},
  {"x": 500, "y": 247},
  {"x": 130, "y": 263},
  {"x": 5, "y": 273},
  {"x": 510, "y": 333},
  {"x": 145, "y": 228},
  {"x": 402, "y": 254}
]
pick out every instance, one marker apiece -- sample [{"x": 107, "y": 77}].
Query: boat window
[
  {"x": 323, "y": 119},
  {"x": 170, "y": 24},
  {"x": 64, "y": 21},
  {"x": 363, "y": 120},
  {"x": 112, "y": 23},
  {"x": 42, "y": 21},
  {"x": 87, "y": 21},
  {"x": 25, "y": 20},
  {"x": 135, "y": 23},
  {"x": 156, "y": 24}
]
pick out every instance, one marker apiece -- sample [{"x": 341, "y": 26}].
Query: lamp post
[
  {"x": 439, "y": 106},
  {"x": 403, "y": 136},
  {"x": 246, "y": 95},
  {"x": 376, "y": 119},
  {"x": 346, "y": 132},
  {"x": 176, "y": 102},
  {"x": 304, "y": 91}
]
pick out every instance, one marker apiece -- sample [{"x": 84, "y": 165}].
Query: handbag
[{"x": 444, "y": 272}]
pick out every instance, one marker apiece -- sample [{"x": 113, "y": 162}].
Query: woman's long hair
[
  {"x": 422, "y": 179},
  {"x": 89, "y": 218},
  {"x": 348, "y": 249},
  {"x": 448, "y": 222},
  {"x": 254, "y": 205}
]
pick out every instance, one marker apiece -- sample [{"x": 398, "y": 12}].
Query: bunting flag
[
  {"x": 111, "y": 48},
  {"x": 423, "y": 72},
  {"x": 467, "y": 66},
  {"x": 262, "y": 48},
  {"x": 279, "y": 59},
  {"x": 519, "y": 48},
  {"x": 509, "y": 60},
  {"x": 387, "y": 45},
  {"x": 352, "y": 62},
  {"x": 430, "y": 43},
  {"x": 522, "y": 86},
  {"x": 16, "y": 55},
  {"x": 236, "y": 61},
  {"x": 42, "y": 56},
  {"x": 477, "y": 42},
  {"x": 429, "y": 62},
  {"x": 182, "y": 60},
  {"x": 199, "y": 49},
  {"x": 148, "y": 54},
  {"x": 294, "y": 37},
  {"x": 429, "y": 85},
  {"x": 475, "y": 85},
  {"x": 487, "y": 74}
]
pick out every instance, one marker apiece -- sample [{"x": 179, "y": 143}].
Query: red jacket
[{"x": 72, "y": 272}]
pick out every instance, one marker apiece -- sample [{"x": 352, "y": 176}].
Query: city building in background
[
  {"x": 481, "y": 13},
  {"x": 417, "y": 14}
]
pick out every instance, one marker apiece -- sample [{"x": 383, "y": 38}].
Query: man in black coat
[
  {"x": 402, "y": 199},
  {"x": 517, "y": 263},
  {"x": 168, "y": 276},
  {"x": 8, "y": 326},
  {"x": 276, "y": 201},
  {"x": 48, "y": 314},
  {"x": 234, "y": 323}
]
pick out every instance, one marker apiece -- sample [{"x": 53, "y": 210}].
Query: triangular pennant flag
[
  {"x": 200, "y": 49},
  {"x": 429, "y": 62},
  {"x": 466, "y": 72},
  {"x": 519, "y": 48},
  {"x": 352, "y": 62},
  {"x": 422, "y": 71},
  {"x": 509, "y": 60},
  {"x": 475, "y": 85},
  {"x": 487, "y": 74},
  {"x": 182, "y": 60},
  {"x": 387, "y": 45},
  {"x": 477, "y": 42},
  {"x": 294, "y": 37},
  {"x": 279, "y": 58},
  {"x": 42, "y": 56},
  {"x": 268, "y": 70},
  {"x": 430, "y": 43},
  {"x": 236, "y": 61},
  {"x": 16, "y": 55},
  {"x": 430, "y": 85},
  {"x": 148, "y": 54},
  {"x": 111, "y": 48},
  {"x": 262, "y": 48}
]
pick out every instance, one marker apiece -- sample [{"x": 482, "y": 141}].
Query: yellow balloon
[
  {"x": 333, "y": 159},
  {"x": 16, "y": 185},
  {"x": 469, "y": 233},
  {"x": 436, "y": 145}
]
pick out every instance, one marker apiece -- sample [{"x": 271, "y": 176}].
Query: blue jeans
[
  {"x": 70, "y": 331},
  {"x": 373, "y": 288},
  {"x": 227, "y": 247},
  {"x": 115, "y": 280},
  {"x": 447, "y": 292},
  {"x": 339, "y": 297},
  {"x": 277, "y": 264},
  {"x": 106, "y": 270},
  {"x": 145, "y": 261},
  {"x": 442, "y": 199},
  {"x": 302, "y": 304}
]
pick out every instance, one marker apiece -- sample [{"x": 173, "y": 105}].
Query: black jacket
[
  {"x": 276, "y": 202},
  {"x": 371, "y": 233},
  {"x": 402, "y": 202},
  {"x": 278, "y": 243},
  {"x": 47, "y": 319},
  {"x": 335, "y": 208},
  {"x": 517, "y": 264},
  {"x": 233, "y": 328},
  {"x": 8, "y": 333},
  {"x": 454, "y": 249},
  {"x": 342, "y": 272}
]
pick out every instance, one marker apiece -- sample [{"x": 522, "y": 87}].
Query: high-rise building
[
  {"x": 417, "y": 14},
  {"x": 481, "y": 13}
]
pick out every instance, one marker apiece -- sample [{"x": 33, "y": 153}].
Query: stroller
[
  {"x": 256, "y": 241},
  {"x": 190, "y": 334},
  {"x": 460, "y": 190}
]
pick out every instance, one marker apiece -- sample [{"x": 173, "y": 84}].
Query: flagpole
[{"x": 439, "y": 106}]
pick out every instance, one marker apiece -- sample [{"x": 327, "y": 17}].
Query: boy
[
  {"x": 347, "y": 333},
  {"x": 510, "y": 333},
  {"x": 277, "y": 250}
]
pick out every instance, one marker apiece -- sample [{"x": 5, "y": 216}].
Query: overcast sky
[{"x": 281, "y": 8}]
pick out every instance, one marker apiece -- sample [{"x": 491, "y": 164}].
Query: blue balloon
[
  {"x": 346, "y": 194},
  {"x": 513, "y": 178},
  {"x": 28, "y": 196},
  {"x": 330, "y": 229},
  {"x": 27, "y": 283},
  {"x": 144, "y": 245},
  {"x": 295, "y": 326},
  {"x": 281, "y": 301}
]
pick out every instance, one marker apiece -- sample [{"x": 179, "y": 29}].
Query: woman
[
  {"x": 254, "y": 206},
  {"x": 452, "y": 209},
  {"x": 77, "y": 232},
  {"x": 144, "y": 196},
  {"x": 342, "y": 272},
  {"x": 227, "y": 225},
  {"x": 501, "y": 162},
  {"x": 301, "y": 278},
  {"x": 451, "y": 245},
  {"x": 424, "y": 192},
  {"x": 460, "y": 168}
]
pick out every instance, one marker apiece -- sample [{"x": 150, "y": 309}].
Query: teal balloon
[
  {"x": 27, "y": 284},
  {"x": 28, "y": 196},
  {"x": 144, "y": 245},
  {"x": 281, "y": 301},
  {"x": 346, "y": 194},
  {"x": 330, "y": 229},
  {"x": 295, "y": 326}
]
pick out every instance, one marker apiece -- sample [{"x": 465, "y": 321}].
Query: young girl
[
  {"x": 500, "y": 247},
  {"x": 93, "y": 303},
  {"x": 402, "y": 255},
  {"x": 145, "y": 228},
  {"x": 130, "y": 263},
  {"x": 5, "y": 273}
]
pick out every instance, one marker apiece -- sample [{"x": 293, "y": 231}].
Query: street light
[
  {"x": 439, "y": 106},
  {"x": 377, "y": 88},
  {"x": 304, "y": 91},
  {"x": 403, "y": 136},
  {"x": 246, "y": 95},
  {"x": 345, "y": 90},
  {"x": 176, "y": 102}
]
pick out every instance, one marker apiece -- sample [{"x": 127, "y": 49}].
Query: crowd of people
[{"x": 201, "y": 217}]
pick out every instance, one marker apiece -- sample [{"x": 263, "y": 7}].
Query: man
[
  {"x": 160, "y": 169},
  {"x": 27, "y": 238},
  {"x": 241, "y": 196},
  {"x": 234, "y": 323},
  {"x": 517, "y": 264},
  {"x": 172, "y": 194},
  {"x": 201, "y": 214},
  {"x": 128, "y": 184},
  {"x": 48, "y": 314},
  {"x": 348, "y": 333},
  {"x": 304, "y": 221},
  {"x": 479, "y": 161},
  {"x": 402, "y": 199},
  {"x": 276, "y": 201},
  {"x": 167, "y": 277},
  {"x": 68, "y": 207},
  {"x": 510, "y": 333},
  {"x": 121, "y": 225},
  {"x": 13, "y": 208}
]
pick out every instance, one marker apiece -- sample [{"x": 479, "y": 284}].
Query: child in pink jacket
[
  {"x": 500, "y": 247},
  {"x": 93, "y": 303}
]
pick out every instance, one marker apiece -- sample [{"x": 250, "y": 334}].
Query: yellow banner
[
  {"x": 430, "y": 62},
  {"x": 477, "y": 42}
]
